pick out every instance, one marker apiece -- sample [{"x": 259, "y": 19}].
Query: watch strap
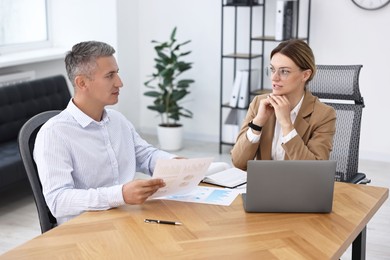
[{"x": 254, "y": 127}]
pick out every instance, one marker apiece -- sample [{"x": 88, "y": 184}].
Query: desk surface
[{"x": 209, "y": 231}]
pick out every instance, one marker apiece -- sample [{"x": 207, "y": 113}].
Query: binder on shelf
[
  {"x": 232, "y": 125},
  {"x": 245, "y": 88},
  {"x": 286, "y": 19},
  {"x": 236, "y": 89}
]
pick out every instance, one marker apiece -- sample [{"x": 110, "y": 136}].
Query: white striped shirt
[{"x": 83, "y": 163}]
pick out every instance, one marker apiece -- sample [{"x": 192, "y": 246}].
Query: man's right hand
[{"x": 137, "y": 191}]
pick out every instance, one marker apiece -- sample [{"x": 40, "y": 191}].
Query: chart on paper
[{"x": 207, "y": 195}]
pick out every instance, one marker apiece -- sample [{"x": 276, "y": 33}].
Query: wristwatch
[{"x": 254, "y": 127}]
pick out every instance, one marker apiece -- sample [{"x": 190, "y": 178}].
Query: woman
[{"x": 290, "y": 123}]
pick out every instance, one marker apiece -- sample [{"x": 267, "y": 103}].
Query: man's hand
[{"x": 137, "y": 191}]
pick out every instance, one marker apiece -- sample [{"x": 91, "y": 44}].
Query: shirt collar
[
  {"x": 82, "y": 118},
  {"x": 297, "y": 107}
]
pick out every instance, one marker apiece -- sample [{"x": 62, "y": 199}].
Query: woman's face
[{"x": 287, "y": 78}]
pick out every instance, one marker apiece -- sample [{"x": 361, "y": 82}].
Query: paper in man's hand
[{"x": 180, "y": 175}]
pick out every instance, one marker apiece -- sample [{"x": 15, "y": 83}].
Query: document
[
  {"x": 180, "y": 175},
  {"x": 222, "y": 174},
  {"x": 207, "y": 195}
]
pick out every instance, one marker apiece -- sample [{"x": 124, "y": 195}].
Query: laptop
[{"x": 289, "y": 186}]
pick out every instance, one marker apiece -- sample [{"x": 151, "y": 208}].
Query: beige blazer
[{"x": 315, "y": 125}]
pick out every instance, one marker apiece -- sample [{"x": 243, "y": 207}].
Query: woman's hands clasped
[{"x": 278, "y": 105}]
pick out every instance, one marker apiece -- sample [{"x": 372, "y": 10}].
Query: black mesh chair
[
  {"x": 26, "y": 140},
  {"x": 338, "y": 86}
]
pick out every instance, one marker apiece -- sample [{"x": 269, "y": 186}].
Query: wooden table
[{"x": 210, "y": 231}]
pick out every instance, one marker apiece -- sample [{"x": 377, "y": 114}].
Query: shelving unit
[{"x": 248, "y": 52}]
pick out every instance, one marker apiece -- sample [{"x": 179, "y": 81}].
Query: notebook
[
  {"x": 289, "y": 186},
  {"x": 224, "y": 175}
]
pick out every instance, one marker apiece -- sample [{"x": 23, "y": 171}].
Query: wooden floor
[{"x": 19, "y": 221}]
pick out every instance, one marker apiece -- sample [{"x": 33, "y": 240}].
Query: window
[{"x": 23, "y": 25}]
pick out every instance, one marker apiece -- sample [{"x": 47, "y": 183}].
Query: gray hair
[{"x": 81, "y": 60}]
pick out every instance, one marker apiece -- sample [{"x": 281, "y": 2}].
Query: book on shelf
[
  {"x": 224, "y": 175},
  {"x": 285, "y": 19}
]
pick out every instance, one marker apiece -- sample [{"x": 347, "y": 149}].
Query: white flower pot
[{"x": 170, "y": 138}]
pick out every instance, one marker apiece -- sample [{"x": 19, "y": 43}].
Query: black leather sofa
[{"x": 18, "y": 103}]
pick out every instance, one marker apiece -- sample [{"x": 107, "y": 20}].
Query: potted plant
[{"x": 167, "y": 89}]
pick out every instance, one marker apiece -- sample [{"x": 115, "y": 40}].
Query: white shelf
[{"x": 21, "y": 58}]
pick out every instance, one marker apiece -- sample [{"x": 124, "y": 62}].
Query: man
[{"x": 87, "y": 156}]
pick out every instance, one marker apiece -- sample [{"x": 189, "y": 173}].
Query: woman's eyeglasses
[{"x": 282, "y": 73}]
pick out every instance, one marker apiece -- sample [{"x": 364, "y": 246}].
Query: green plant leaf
[
  {"x": 173, "y": 34},
  {"x": 178, "y": 95},
  {"x": 183, "y": 66},
  {"x": 185, "y": 83},
  {"x": 152, "y": 94},
  {"x": 169, "y": 88},
  {"x": 186, "y": 42},
  {"x": 159, "y": 109},
  {"x": 185, "y": 53}
]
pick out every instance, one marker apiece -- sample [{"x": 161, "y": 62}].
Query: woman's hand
[
  {"x": 264, "y": 112},
  {"x": 282, "y": 108}
]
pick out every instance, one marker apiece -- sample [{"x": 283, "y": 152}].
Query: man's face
[{"x": 104, "y": 83}]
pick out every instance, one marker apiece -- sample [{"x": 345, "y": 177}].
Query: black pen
[{"x": 147, "y": 220}]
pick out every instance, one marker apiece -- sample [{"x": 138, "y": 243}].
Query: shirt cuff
[
  {"x": 253, "y": 138},
  {"x": 115, "y": 196},
  {"x": 289, "y": 136}
]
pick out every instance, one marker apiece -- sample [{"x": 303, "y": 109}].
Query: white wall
[
  {"x": 128, "y": 59},
  {"x": 341, "y": 33},
  {"x": 74, "y": 21},
  {"x": 198, "y": 21}
]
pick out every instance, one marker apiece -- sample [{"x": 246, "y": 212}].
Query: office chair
[
  {"x": 338, "y": 86},
  {"x": 26, "y": 140}
]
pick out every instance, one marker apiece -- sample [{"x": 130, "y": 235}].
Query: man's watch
[{"x": 254, "y": 127}]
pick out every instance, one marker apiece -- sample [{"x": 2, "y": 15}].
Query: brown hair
[{"x": 299, "y": 52}]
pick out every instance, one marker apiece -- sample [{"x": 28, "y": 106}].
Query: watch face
[{"x": 371, "y": 4}]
